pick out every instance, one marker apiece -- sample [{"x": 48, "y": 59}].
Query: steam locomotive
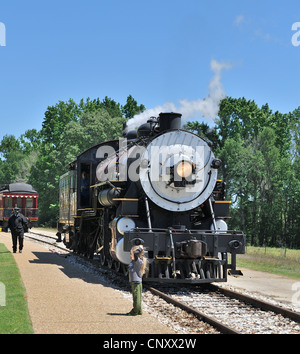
[{"x": 155, "y": 186}]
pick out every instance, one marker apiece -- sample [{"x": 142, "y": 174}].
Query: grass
[
  {"x": 272, "y": 260},
  {"x": 14, "y": 316}
]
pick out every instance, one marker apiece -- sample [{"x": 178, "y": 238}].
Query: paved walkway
[
  {"x": 278, "y": 287},
  {"x": 64, "y": 299}
]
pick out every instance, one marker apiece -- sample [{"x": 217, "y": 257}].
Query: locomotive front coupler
[{"x": 137, "y": 241}]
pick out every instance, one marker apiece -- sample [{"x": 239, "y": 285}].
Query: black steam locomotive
[{"x": 156, "y": 186}]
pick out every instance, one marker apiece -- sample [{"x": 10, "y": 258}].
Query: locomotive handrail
[
  {"x": 213, "y": 232},
  {"x": 100, "y": 184},
  {"x": 173, "y": 252}
]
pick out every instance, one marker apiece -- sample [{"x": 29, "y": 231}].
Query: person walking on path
[
  {"x": 136, "y": 269},
  {"x": 18, "y": 224}
]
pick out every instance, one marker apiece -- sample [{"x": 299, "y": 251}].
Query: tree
[
  {"x": 30, "y": 141},
  {"x": 8, "y": 145},
  {"x": 204, "y": 131},
  {"x": 18, "y": 156},
  {"x": 89, "y": 130},
  {"x": 239, "y": 116},
  {"x": 261, "y": 167},
  {"x": 68, "y": 130},
  {"x": 131, "y": 108},
  {"x": 56, "y": 118}
]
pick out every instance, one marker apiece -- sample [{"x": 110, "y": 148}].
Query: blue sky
[{"x": 157, "y": 51}]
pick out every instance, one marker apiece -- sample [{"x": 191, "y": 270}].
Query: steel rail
[
  {"x": 28, "y": 235},
  {"x": 201, "y": 316},
  {"x": 43, "y": 235},
  {"x": 295, "y": 316}
]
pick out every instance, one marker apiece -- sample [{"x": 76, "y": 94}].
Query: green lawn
[
  {"x": 272, "y": 260},
  {"x": 14, "y": 316}
]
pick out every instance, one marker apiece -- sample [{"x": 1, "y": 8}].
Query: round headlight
[{"x": 184, "y": 169}]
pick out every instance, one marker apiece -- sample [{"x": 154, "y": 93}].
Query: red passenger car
[{"x": 19, "y": 195}]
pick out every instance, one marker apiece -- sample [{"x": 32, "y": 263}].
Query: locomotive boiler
[{"x": 157, "y": 186}]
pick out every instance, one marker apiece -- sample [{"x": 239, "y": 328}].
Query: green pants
[{"x": 137, "y": 298}]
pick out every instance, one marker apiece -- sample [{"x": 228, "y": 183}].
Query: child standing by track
[{"x": 136, "y": 269}]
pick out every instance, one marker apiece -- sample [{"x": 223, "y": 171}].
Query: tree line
[
  {"x": 260, "y": 150},
  {"x": 68, "y": 128}
]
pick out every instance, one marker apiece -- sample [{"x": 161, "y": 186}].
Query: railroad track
[
  {"x": 227, "y": 311},
  {"x": 200, "y": 315},
  {"x": 47, "y": 239},
  {"x": 232, "y": 312}
]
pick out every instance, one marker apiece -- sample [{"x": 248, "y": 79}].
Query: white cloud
[
  {"x": 207, "y": 107},
  {"x": 239, "y": 20}
]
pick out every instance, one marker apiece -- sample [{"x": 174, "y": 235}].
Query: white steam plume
[{"x": 207, "y": 107}]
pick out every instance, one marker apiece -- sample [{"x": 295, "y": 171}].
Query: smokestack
[{"x": 169, "y": 121}]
